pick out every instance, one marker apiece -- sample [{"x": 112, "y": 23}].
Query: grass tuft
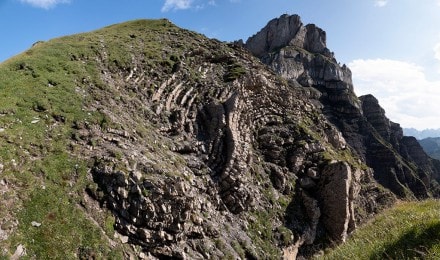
[{"x": 410, "y": 230}]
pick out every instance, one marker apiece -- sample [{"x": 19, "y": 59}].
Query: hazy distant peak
[{"x": 421, "y": 134}]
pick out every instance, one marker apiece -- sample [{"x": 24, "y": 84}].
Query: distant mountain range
[
  {"x": 431, "y": 146},
  {"x": 421, "y": 134}
]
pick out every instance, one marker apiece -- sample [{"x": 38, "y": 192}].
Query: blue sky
[{"x": 392, "y": 46}]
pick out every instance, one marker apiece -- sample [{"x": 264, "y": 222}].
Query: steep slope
[
  {"x": 146, "y": 140},
  {"x": 431, "y": 146},
  {"x": 409, "y": 230},
  {"x": 299, "y": 53}
]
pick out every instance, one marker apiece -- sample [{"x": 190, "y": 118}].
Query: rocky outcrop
[
  {"x": 420, "y": 177},
  {"x": 227, "y": 145},
  {"x": 288, "y": 30},
  {"x": 337, "y": 197},
  {"x": 376, "y": 140},
  {"x": 412, "y": 150}
]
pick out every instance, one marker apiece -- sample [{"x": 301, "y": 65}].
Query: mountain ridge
[
  {"x": 431, "y": 145},
  {"x": 422, "y": 134},
  {"x": 167, "y": 144},
  {"x": 362, "y": 121}
]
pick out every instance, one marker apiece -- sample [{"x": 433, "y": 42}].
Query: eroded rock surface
[
  {"x": 376, "y": 140},
  {"x": 198, "y": 150},
  {"x": 230, "y": 161}
]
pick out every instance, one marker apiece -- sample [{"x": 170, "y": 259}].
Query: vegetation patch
[
  {"x": 48, "y": 218},
  {"x": 235, "y": 70},
  {"x": 410, "y": 230},
  {"x": 44, "y": 95}
]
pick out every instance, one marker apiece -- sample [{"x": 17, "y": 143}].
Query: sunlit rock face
[{"x": 399, "y": 163}]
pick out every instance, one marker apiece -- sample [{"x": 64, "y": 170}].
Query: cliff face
[
  {"x": 399, "y": 163},
  {"x": 431, "y": 146}
]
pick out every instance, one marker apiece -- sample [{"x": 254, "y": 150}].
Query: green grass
[
  {"x": 263, "y": 230},
  {"x": 45, "y": 93},
  {"x": 59, "y": 219},
  {"x": 410, "y": 230},
  {"x": 235, "y": 70},
  {"x": 49, "y": 93}
]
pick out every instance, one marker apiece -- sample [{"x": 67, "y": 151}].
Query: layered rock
[
  {"x": 376, "y": 140},
  {"x": 337, "y": 197},
  {"x": 197, "y": 150},
  {"x": 420, "y": 177},
  {"x": 288, "y": 30},
  {"x": 226, "y": 144}
]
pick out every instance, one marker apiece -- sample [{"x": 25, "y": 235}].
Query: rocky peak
[
  {"x": 300, "y": 55},
  {"x": 288, "y": 30}
]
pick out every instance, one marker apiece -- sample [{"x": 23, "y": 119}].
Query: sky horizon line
[{"x": 389, "y": 45}]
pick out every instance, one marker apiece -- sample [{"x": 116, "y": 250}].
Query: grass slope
[
  {"x": 44, "y": 93},
  {"x": 410, "y": 230}
]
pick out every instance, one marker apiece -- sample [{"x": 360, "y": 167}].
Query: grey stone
[
  {"x": 35, "y": 224},
  {"x": 335, "y": 197},
  {"x": 313, "y": 173},
  {"x": 307, "y": 183}
]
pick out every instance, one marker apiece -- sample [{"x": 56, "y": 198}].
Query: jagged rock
[
  {"x": 287, "y": 30},
  {"x": 361, "y": 121},
  {"x": 313, "y": 213},
  {"x": 19, "y": 252},
  {"x": 313, "y": 173},
  {"x": 252, "y": 128},
  {"x": 277, "y": 33},
  {"x": 336, "y": 200},
  {"x": 335, "y": 138},
  {"x": 390, "y": 164}
]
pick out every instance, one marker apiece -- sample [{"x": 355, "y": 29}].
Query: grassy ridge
[
  {"x": 410, "y": 230},
  {"x": 44, "y": 93}
]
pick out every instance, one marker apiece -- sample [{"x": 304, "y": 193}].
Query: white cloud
[
  {"x": 402, "y": 89},
  {"x": 46, "y": 4},
  {"x": 437, "y": 51},
  {"x": 176, "y": 5},
  {"x": 380, "y": 3}
]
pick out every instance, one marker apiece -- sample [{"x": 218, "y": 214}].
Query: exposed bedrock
[{"x": 399, "y": 163}]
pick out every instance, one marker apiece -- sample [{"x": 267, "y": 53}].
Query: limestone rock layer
[{"x": 399, "y": 162}]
